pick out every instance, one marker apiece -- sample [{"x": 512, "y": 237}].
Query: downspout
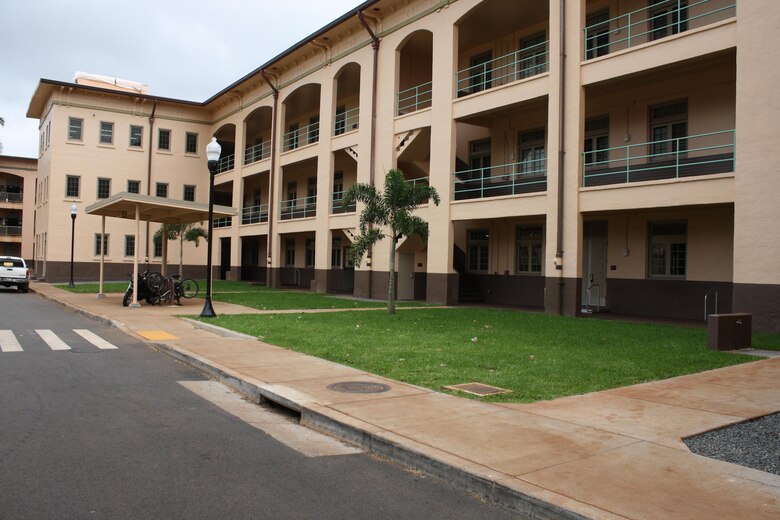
[
  {"x": 561, "y": 153},
  {"x": 372, "y": 148},
  {"x": 269, "y": 240},
  {"x": 149, "y": 170}
]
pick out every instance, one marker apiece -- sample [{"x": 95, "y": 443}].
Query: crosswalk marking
[
  {"x": 8, "y": 342},
  {"x": 52, "y": 339},
  {"x": 94, "y": 339}
]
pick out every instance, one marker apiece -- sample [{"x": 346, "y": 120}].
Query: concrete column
[{"x": 324, "y": 182}]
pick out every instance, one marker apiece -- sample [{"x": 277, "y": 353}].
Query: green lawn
[{"x": 537, "y": 356}]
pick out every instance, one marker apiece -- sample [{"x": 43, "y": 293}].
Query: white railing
[
  {"x": 308, "y": 134},
  {"x": 509, "y": 68},
  {"x": 254, "y": 214},
  {"x": 414, "y": 99},
  {"x": 301, "y": 207},
  {"x": 346, "y": 121},
  {"x": 257, "y": 152},
  {"x": 506, "y": 179}
]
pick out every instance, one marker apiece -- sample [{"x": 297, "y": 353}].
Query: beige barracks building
[{"x": 588, "y": 153}]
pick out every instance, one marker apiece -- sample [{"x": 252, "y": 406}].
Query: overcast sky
[{"x": 181, "y": 49}]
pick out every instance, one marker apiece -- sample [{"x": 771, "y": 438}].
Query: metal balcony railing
[
  {"x": 528, "y": 176},
  {"x": 690, "y": 156},
  {"x": 652, "y": 23},
  {"x": 346, "y": 121},
  {"x": 337, "y": 204},
  {"x": 308, "y": 134},
  {"x": 414, "y": 99},
  {"x": 299, "y": 208},
  {"x": 10, "y": 231},
  {"x": 223, "y": 222},
  {"x": 226, "y": 163},
  {"x": 509, "y": 68},
  {"x": 254, "y": 214},
  {"x": 6, "y": 196},
  {"x": 257, "y": 152}
]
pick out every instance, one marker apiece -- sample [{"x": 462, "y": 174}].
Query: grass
[{"x": 536, "y": 356}]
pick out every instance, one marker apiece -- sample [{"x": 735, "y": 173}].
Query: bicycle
[{"x": 175, "y": 289}]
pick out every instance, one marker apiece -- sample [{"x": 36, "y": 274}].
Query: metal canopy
[{"x": 156, "y": 209}]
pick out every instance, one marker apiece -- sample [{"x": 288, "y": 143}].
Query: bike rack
[
  {"x": 706, "y": 297},
  {"x": 598, "y": 300}
]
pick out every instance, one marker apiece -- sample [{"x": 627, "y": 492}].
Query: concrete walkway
[{"x": 612, "y": 454}]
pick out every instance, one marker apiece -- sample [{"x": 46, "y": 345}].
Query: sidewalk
[{"x": 612, "y": 454}]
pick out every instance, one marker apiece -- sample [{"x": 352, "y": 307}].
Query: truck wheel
[{"x": 23, "y": 288}]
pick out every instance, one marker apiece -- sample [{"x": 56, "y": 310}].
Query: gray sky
[{"x": 173, "y": 46}]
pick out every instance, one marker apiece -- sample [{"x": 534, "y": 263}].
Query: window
[
  {"x": 133, "y": 186},
  {"x": 106, "y": 133},
  {"x": 311, "y": 194},
  {"x": 668, "y": 129},
  {"x": 97, "y": 244},
  {"x": 597, "y": 43},
  {"x": 477, "y": 254},
  {"x": 597, "y": 141},
  {"x": 668, "y": 249},
  {"x": 129, "y": 245},
  {"x": 158, "y": 246},
  {"x": 161, "y": 189},
  {"x": 533, "y": 56},
  {"x": 481, "y": 72},
  {"x": 289, "y": 252},
  {"x": 72, "y": 185},
  {"x": 136, "y": 136},
  {"x": 671, "y": 17},
  {"x": 338, "y": 186},
  {"x": 103, "y": 188},
  {"x": 164, "y": 140},
  {"x": 191, "y": 143},
  {"x": 292, "y": 137},
  {"x": 314, "y": 129},
  {"x": 533, "y": 159},
  {"x": 292, "y": 194},
  {"x": 309, "y": 252},
  {"x": 479, "y": 158},
  {"x": 189, "y": 192},
  {"x": 528, "y": 241},
  {"x": 335, "y": 253},
  {"x": 341, "y": 120},
  {"x": 75, "y": 128}
]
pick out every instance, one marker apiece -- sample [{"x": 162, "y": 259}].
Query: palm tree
[
  {"x": 391, "y": 209},
  {"x": 182, "y": 232}
]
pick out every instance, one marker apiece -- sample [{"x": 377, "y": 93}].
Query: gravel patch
[{"x": 755, "y": 444}]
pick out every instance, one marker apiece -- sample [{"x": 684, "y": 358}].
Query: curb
[{"x": 526, "y": 505}]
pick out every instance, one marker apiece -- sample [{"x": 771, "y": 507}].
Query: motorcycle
[{"x": 149, "y": 287}]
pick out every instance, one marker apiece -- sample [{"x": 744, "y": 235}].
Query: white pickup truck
[{"x": 13, "y": 271}]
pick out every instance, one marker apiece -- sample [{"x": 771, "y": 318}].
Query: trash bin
[{"x": 729, "y": 331}]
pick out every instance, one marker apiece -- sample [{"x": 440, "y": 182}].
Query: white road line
[
  {"x": 94, "y": 339},
  {"x": 8, "y": 341},
  {"x": 52, "y": 339},
  {"x": 302, "y": 439}
]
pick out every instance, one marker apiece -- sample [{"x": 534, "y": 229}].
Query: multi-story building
[
  {"x": 17, "y": 206},
  {"x": 588, "y": 153}
]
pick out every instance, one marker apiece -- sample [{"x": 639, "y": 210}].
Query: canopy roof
[{"x": 156, "y": 209}]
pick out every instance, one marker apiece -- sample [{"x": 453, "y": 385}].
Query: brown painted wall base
[
  {"x": 562, "y": 295},
  {"x": 760, "y": 300},
  {"x": 59, "y": 272},
  {"x": 442, "y": 289},
  {"x": 496, "y": 289},
  {"x": 682, "y": 299}
]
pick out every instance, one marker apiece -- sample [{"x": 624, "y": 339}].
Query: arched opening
[
  {"x": 415, "y": 73},
  {"x": 347, "y": 113},
  {"x": 226, "y": 137},
  {"x": 301, "y": 117},
  {"x": 257, "y": 128}
]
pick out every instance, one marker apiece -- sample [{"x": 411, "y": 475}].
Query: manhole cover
[
  {"x": 478, "y": 389},
  {"x": 358, "y": 387}
]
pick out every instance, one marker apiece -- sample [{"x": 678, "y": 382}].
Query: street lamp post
[
  {"x": 213, "y": 151},
  {"x": 73, "y": 211}
]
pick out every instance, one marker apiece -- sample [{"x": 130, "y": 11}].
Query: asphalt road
[{"x": 94, "y": 433}]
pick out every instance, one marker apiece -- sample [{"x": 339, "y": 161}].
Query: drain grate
[
  {"x": 358, "y": 387},
  {"x": 479, "y": 389}
]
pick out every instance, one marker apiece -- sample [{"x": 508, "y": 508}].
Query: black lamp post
[
  {"x": 73, "y": 211},
  {"x": 213, "y": 150}
]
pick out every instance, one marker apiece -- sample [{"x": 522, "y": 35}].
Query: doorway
[
  {"x": 594, "y": 265},
  {"x": 406, "y": 276},
  {"x": 224, "y": 255}
]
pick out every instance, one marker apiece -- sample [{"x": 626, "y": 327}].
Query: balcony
[
  {"x": 10, "y": 196},
  {"x": 653, "y": 23},
  {"x": 690, "y": 156},
  {"x": 254, "y": 214},
  {"x": 506, "y": 69},
  {"x": 346, "y": 121},
  {"x": 337, "y": 204},
  {"x": 224, "y": 222},
  {"x": 258, "y": 152},
  {"x": 296, "y": 137},
  {"x": 302, "y": 207},
  {"x": 529, "y": 176},
  {"x": 11, "y": 231},
  {"x": 414, "y": 99},
  {"x": 227, "y": 163}
]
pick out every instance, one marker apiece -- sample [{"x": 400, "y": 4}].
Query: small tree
[
  {"x": 182, "y": 232},
  {"x": 390, "y": 209}
]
